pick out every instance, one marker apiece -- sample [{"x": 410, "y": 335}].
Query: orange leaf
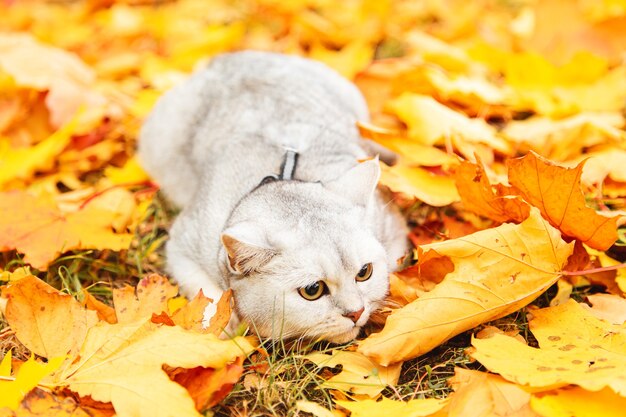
[
  {"x": 190, "y": 316},
  {"x": 36, "y": 227},
  {"x": 39, "y": 315},
  {"x": 220, "y": 319},
  {"x": 556, "y": 191},
  {"x": 208, "y": 386},
  {"x": 105, "y": 312},
  {"x": 480, "y": 197},
  {"x": 150, "y": 296}
]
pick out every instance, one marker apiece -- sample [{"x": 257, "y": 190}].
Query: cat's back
[{"x": 241, "y": 100}]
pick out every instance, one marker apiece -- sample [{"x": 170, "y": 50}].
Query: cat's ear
[
  {"x": 359, "y": 183},
  {"x": 246, "y": 250}
]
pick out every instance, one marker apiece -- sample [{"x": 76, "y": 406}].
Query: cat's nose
[{"x": 355, "y": 315}]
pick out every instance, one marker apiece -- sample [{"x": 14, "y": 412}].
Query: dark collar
[{"x": 287, "y": 168}]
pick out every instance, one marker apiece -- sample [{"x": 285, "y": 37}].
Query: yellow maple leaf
[
  {"x": 39, "y": 315},
  {"x": 387, "y": 407},
  {"x": 122, "y": 364},
  {"x": 27, "y": 377},
  {"x": 497, "y": 271},
  {"x": 574, "y": 348},
  {"x": 359, "y": 374}
]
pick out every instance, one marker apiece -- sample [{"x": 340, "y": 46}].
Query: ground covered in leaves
[{"x": 509, "y": 120}]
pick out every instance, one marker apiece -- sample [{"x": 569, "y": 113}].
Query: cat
[{"x": 261, "y": 151}]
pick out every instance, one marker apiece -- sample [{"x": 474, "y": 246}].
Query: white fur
[{"x": 211, "y": 140}]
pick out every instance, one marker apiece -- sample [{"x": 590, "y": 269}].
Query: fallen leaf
[
  {"x": 565, "y": 139},
  {"x": 497, "y": 271},
  {"x": 191, "y": 315},
  {"x": 42, "y": 232},
  {"x": 104, "y": 312},
  {"x": 39, "y": 315},
  {"x": 220, "y": 319},
  {"x": 575, "y": 401},
  {"x": 430, "y": 123},
  {"x": 483, "y": 394},
  {"x": 314, "y": 408},
  {"x": 149, "y": 296},
  {"x": 40, "y": 403},
  {"x": 33, "y": 64},
  {"x": 208, "y": 386},
  {"x": 481, "y": 197},
  {"x": 21, "y": 163},
  {"x": 416, "y": 182},
  {"x": 575, "y": 348},
  {"x": 387, "y": 407},
  {"x": 27, "y": 377},
  {"x": 609, "y": 307},
  {"x": 122, "y": 364},
  {"x": 359, "y": 374},
  {"x": 555, "y": 190}
]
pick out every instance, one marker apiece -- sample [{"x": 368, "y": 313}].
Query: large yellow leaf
[
  {"x": 27, "y": 377},
  {"x": 556, "y": 191},
  {"x": 37, "y": 228},
  {"x": 387, "y": 407},
  {"x": 575, "y": 348},
  {"x": 359, "y": 374},
  {"x": 122, "y": 364},
  {"x": 497, "y": 271},
  {"x": 46, "y": 321}
]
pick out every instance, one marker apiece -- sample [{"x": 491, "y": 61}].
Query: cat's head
[{"x": 303, "y": 259}]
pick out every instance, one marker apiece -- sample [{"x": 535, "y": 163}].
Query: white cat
[{"x": 261, "y": 152}]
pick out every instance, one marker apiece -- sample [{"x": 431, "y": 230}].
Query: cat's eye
[
  {"x": 365, "y": 273},
  {"x": 313, "y": 291}
]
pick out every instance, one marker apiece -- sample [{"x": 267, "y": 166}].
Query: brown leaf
[
  {"x": 492, "y": 201},
  {"x": 556, "y": 191},
  {"x": 150, "y": 296},
  {"x": 39, "y": 315}
]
